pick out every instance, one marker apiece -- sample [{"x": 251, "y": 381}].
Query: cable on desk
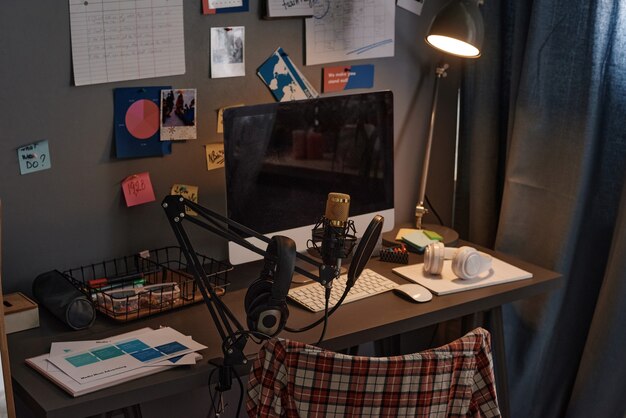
[
  {"x": 325, "y": 317},
  {"x": 217, "y": 408},
  {"x": 327, "y": 296}
]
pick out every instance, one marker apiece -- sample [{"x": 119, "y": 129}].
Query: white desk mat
[{"x": 448, "y": 282}]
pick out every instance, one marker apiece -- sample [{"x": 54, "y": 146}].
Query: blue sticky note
[{"x": 34, "y": 157}]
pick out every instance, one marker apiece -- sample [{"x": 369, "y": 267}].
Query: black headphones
[{"x": 265, "y": 302}]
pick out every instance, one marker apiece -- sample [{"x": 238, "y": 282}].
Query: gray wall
[{"x": 74, "y": 214}]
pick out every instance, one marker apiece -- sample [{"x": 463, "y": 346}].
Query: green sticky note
[
  {"x": 433, "y": 235},
  {"x": 417, "y": 239}
]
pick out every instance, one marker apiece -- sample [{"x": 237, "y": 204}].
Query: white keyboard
[{"x": 369, "y": 283}]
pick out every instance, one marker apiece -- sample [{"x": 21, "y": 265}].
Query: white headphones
[{"x": 467, "y": 262}]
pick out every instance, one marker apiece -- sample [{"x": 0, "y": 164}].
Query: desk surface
[{"x": 355, "y": 323}]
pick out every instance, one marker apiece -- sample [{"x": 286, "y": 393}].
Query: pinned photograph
[
  {"x": 178, "y": 114},
  {"x": 227, "y": 52}
]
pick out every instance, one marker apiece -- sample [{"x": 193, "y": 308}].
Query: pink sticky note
[{"x": 138, "y": 189}]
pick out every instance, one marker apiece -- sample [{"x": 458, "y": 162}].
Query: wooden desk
[{"x": 359, "y": 322}]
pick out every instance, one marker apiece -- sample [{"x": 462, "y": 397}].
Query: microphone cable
[{"x": 326, "y": 314}]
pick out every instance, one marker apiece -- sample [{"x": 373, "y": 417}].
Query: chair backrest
[{"x": 293, "y": 379}]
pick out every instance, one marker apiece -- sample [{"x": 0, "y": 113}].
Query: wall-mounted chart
[
  {"x": 142, "y": 119},
  {"x": 137, "y": 123}
]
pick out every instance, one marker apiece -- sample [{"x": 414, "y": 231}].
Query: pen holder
[{"x": 63, "y": 300}]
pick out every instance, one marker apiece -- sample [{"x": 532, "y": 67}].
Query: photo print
[
  {"x": 178, "y": 114},
  {"x": 227, "y": 52}
]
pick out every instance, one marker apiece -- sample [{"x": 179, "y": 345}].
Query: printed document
[{"x": 350, "y": 30}]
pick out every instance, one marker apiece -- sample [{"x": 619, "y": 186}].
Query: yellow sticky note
[
  {"x": 188, "y": 192},
  {"x": 220, "y": 117},
  {"x": 214, "y": 156}
]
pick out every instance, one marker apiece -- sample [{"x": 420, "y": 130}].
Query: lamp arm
[{"x": 420, "y": 209}]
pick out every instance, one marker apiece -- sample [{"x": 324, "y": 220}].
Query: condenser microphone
[{"x": 334, "y": 235}]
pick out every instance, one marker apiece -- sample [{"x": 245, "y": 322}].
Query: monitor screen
[{"x": 282, "y": 160}]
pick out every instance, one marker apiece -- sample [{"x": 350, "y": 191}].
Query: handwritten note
[
  {"x": 188, "y": 192},
  {"x": 126, "y": 40},
  {"x": 34, "y": 157},
  {"x": 290, "y": 8},
  {"x": 214, "y": 156},
  {"x": 138, "y": 189}
]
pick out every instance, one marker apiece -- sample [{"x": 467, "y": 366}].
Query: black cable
[
  {"x": 432, "y": 208},
  {"x": 325, "y": 317},
  {"x": 212, "y": 408},
  {"x": 240, "y": 392}
]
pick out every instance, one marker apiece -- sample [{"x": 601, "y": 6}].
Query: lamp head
[{"x": 458, "y": 29}]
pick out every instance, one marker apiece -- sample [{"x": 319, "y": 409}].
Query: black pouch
[{"x": 63, "y": 300}]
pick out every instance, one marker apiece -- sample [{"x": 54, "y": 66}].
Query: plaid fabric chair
[{"x": 292, "y": 379}]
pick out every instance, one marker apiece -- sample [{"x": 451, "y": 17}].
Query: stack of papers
[
  {"x": 418, "y": 239},
  {"x": 81, "y": 367}
]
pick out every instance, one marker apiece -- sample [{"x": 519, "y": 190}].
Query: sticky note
[
  {"x": 220, "y": 117},
  {"x": 138, "y": 189},
  {"x": 417, "y": 239},
  {"x": 433, "y": 235},
  {"x": 188, "y": 192},
  {"x": 34, "y": 157},
  {"x": 214, "y": 155}
]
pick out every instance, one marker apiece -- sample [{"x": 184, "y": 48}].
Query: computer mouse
[{"x": 413, "y": 292}]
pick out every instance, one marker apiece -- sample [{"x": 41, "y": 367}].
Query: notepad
[
  {"x": 417, "y": 239},
  {"x": 448, "y": 282}
]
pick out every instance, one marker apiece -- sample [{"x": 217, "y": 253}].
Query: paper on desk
[
  {"x": 122, "y": 355},
  {"x": 56, "y": 375},
  {"x": 134, "y": 40},
  {"x": 350, "y": 30},
  {"x": 66, "y": 347}
]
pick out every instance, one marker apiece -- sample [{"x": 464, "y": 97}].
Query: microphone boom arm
[{"x": 232, "y": 333}]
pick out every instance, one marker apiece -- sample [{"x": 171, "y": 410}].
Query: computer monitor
[{"x": 282, "y": 160}]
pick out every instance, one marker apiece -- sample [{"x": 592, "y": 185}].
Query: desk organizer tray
[{"x": 145, "y": 284}]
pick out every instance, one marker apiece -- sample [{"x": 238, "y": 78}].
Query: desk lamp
[{"x": 456, "y": 30}]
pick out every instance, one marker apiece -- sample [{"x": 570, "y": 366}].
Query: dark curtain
[{"x": 541, "y": 176}]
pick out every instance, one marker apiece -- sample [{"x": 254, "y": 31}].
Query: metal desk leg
[{"x": 499, "y": 360}]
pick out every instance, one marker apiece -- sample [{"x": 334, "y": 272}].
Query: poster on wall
[{"x": 137, "y": 127}]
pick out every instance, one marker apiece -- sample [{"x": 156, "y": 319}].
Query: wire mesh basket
[{"x": 147, "y": 283}]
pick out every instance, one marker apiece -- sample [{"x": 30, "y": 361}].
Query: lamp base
[{"x": 450, "y": 236}]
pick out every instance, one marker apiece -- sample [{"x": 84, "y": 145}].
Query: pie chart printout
[{"x": 142, "y": 119}]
